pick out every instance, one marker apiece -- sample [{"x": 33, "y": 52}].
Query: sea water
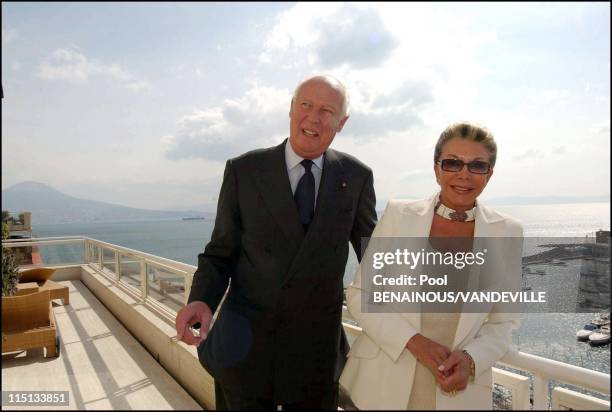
[{"x": 551, "y": 335}]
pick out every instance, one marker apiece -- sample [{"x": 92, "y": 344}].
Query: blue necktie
[{"x": 305, "y": 194}]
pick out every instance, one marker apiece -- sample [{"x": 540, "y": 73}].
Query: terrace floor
[{"x": 101, "y": 365}]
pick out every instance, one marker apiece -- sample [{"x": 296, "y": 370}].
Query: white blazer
[{"x": 379, "y": 373}]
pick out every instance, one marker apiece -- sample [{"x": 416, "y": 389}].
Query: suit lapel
[{"x": 275, "y": 189}]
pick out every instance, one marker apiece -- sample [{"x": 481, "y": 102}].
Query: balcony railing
[{"x": 164, "y": 285}]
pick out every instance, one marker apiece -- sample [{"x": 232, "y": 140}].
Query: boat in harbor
[
  {"x": 584, "y": 333},
  {"x": 600, "y": 337},
  {"x": 601, "y": 319}
]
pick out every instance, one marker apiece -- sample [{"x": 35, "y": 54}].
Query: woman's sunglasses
[{"x": 455, "y": 165}]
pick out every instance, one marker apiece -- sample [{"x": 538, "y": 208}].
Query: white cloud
[
  {"x": 73, "y": 66},
  {"x": 330, "y": 35},
  {"x": 601, "y": 128},
  {"x": 546, "y": 99},
  {"x": 400, "y": 72},
  {"x": 186, "y": 70},
  {"x": 259, "y": 118},
  {"x": 354, "y": 36},
  {"x": 558, "y": 150},
  {"x": 529, "y": 154},
  {"x": 8, "y": 34},
  {"x": 138, "y": 86},
  {"x": 434, "y": 64}
]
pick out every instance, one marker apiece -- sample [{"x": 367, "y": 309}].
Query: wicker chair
[
  {"x": 28, "y": 322},
  {"x": 41, "y": 276}
]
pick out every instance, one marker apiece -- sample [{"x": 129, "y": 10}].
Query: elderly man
[{"x": 284, "y": 220}]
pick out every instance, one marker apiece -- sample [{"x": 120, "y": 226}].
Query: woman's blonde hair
[{"x": 470, "y": 131}]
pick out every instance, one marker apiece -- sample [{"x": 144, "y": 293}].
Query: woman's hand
[
  {"x": 429, "y": 353},
  {"x": 455, "y": 372}
]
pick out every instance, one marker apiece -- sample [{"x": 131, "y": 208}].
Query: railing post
[
  {"x": 100, "y": 257},
  {"x": 520, "y": 396},
  {"x": 517, "y": 384},
  {"x": 117, "y": 266},
  {"x": 143, "y": 280},
  {"x": 188, "y": 282},
  {"x": 86, "y": 256},
  {"x": 540, "y": 392}
]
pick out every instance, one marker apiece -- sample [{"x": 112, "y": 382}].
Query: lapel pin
[{"x": 343, "y": 185}]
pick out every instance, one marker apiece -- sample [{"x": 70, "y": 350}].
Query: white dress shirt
[{"x": 296, "y": 170}]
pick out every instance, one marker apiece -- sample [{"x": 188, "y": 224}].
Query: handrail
[
  {"x": 164, "y": 261},
  {"x": 30, "y": 242},
  {"x": 121, "y": 249},
  {"x": 76, "y": 237},
  {"x": 564, "y": 372}
]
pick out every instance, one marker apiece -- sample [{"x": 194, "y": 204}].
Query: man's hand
[
  {"x": 455, "y": 372},
  {"x": 194, "y": 312},
  {"x": 429, "y": 353}
]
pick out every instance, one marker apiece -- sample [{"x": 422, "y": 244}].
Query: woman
[{"x": 437, "y": 360}]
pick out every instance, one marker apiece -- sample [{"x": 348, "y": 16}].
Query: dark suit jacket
[{"x": 278, "y": 333}]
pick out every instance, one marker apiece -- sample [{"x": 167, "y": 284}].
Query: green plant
[
  {"x": 10, "y": 274},
  {"x": 5, "y": 216},
  {"x": 6, "y": 231}
]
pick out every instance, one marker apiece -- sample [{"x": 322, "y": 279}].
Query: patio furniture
[
  {"x": 28, "y": 322},
  {"x": 41, "y": 277},
  {"x": 35, "y": 274},
  {"x": 27, "y": 288}
]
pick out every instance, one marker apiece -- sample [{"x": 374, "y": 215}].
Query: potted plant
[{"x": 10, "y": 274}]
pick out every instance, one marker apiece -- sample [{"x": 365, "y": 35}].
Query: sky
[{"x": 141, "y": 104}]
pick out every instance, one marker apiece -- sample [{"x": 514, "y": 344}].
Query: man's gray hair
[{"x": 333, "y": 82}]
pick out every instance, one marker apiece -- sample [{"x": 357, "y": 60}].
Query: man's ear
[{"x": 341, "y": 124}]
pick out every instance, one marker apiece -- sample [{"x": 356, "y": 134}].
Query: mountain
[{"x": 52, "y": 206}]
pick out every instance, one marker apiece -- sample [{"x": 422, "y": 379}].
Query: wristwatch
[{"x": 472, "y": 365}]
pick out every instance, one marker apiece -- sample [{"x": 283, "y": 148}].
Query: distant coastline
[{"x": 195, "y": 218}]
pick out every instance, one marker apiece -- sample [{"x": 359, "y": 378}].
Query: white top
[{"x": 296, "y": 170}]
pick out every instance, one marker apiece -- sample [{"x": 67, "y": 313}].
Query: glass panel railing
[
  {"x": 93, "y": 253},
  {"x": 62, "y": 254},
  {"x": 130, "y": 270},
  {"x": 166, "y": 287},
  {"x": 108, "y": 259}
]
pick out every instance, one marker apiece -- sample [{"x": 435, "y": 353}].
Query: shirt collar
[{"x": 292, "y": 159}]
